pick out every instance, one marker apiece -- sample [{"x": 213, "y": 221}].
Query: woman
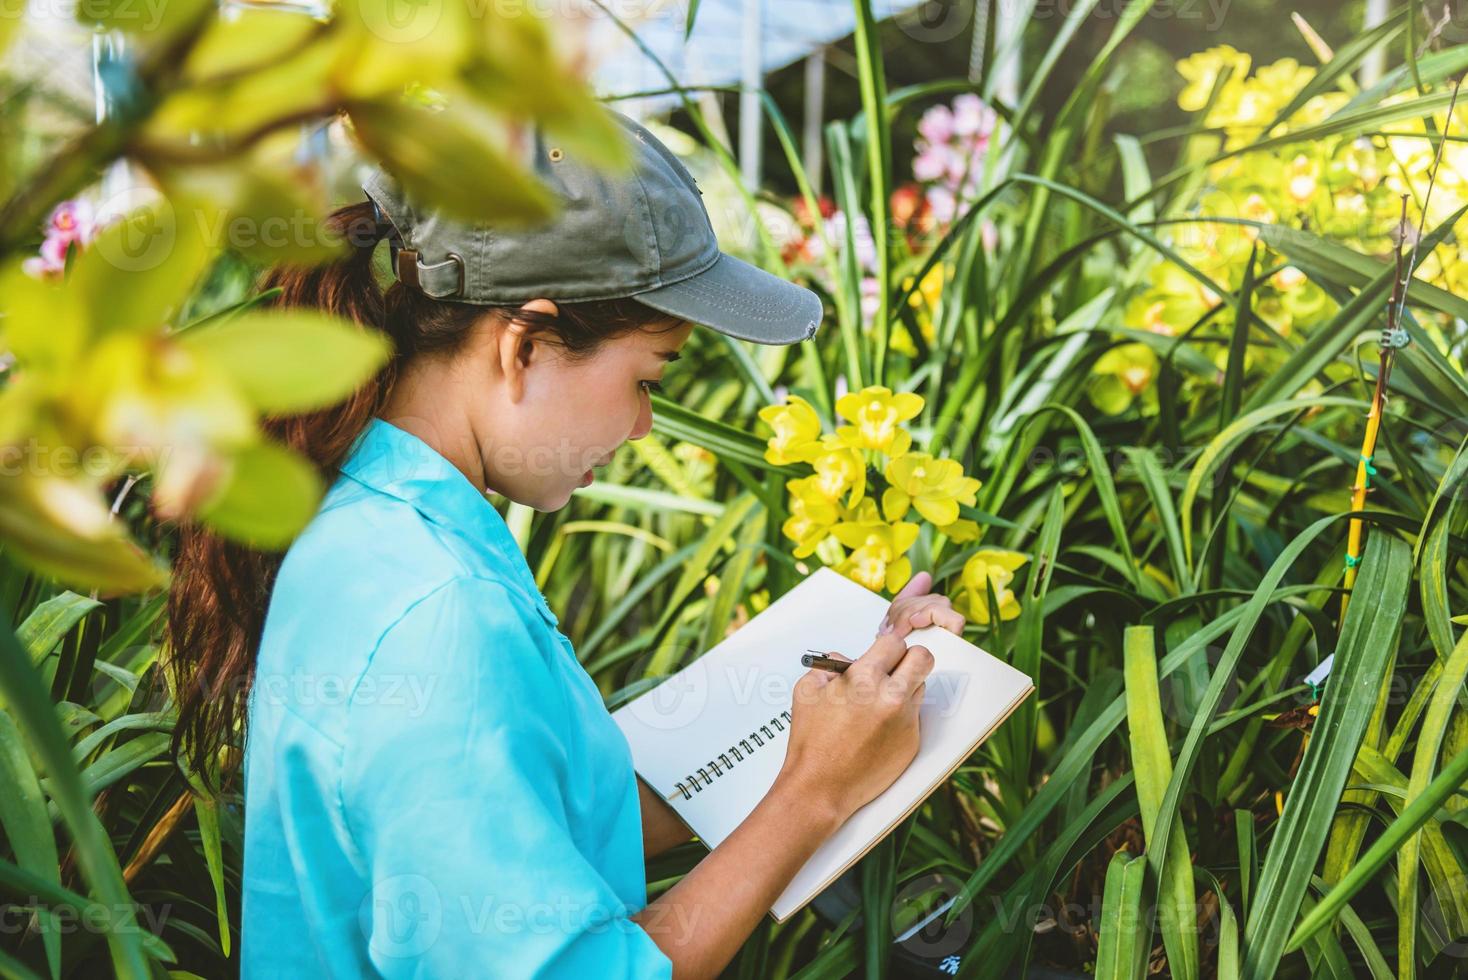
[{"x": 433, "y": 785}]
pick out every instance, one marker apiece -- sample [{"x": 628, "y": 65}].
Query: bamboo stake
[{"x": 1393, "y": 338}]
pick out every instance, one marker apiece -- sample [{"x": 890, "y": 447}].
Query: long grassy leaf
[
  {"x": 1367, "y": 648},
  {"x": 31, "y": 706},
  {"x": 1152, "y": 764},
  {"x": 1422, "y": 808},
  {"x": 1424, "y": 761},
  {"x": 50, "y": 621},
  {"x": 1122, "y": 943},
  {"x": 28, "y": 827},
  {"x": 1223, "y": 675}
]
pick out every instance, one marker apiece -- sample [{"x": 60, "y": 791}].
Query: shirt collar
[{"x": 396, "y": 462}]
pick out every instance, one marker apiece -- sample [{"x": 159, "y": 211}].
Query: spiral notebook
[{"x": 711, "y": 738}]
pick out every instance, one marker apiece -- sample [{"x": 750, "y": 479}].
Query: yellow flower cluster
[
  {"x": 924, "y": 302},
  {"x": 831, "y": 511},
  {"x": 1344, "y": 188},
  {"x": 989, "y": 565}
]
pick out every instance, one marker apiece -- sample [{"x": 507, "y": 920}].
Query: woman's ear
[{"x": 517, "y": 348}]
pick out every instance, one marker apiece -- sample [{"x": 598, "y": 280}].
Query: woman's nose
[{"x": 644, "y": 421}]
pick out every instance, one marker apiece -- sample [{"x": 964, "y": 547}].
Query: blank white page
[{"x": 742, "y": 686}]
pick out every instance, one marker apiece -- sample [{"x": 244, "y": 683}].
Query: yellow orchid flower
[
  {"x": 934, "y": 486},
  {"x": 929, "y": 290},
  {"x": 812, "y": 515},
  {"x": 879, "y": 552},
  {"x": 878, "y": 415},
  {"x": 1202, "y": 70},
  {"x": 901, "y": 341},
  {"x": 994, "y": 565},
  {"x": 924, "y": 301},
  {"x": 1122, "y": 374},
  {"x": 797, "y": 431},
  {"x": 1303, "y": 174},
  {"x": 961, "y": 530},
  {"x": 840, "y": 467}
]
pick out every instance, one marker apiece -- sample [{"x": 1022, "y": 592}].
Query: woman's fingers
[
  {"x": 819, "y": 677},
  {"x": 916, "y": 665},
  {"x": 938, "y": 614},
  {"x": 916, "y": 588},
  {"x": 918, "y": 585},
  {"x": 929, "y": 610}
]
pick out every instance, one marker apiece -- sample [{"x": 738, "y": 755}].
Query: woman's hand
[
  {"x": 915, "y": 607},
  {"x": 853, "y": 733}
]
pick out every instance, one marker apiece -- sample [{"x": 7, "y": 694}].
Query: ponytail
[{"x": 220, "y": 590}]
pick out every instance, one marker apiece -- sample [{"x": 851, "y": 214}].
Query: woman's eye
[{"x": 653, "y": 387}]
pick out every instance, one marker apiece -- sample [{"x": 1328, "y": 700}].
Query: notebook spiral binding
[{"x": 706, "y": 774}]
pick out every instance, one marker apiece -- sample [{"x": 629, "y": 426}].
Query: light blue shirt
[{"x": 433, "y": 785}]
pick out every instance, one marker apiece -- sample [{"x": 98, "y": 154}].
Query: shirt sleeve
[{"x": 455, "y": 797}]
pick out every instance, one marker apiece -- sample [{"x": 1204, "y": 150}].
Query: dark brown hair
[{"x": 221, "y": 589}]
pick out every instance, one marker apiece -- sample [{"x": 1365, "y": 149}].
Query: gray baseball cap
[{"x": 643, "y": 234}]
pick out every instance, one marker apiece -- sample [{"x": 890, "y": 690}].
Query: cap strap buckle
[
  {"x": 440, "y": 280},
  {"x": 408, "y": 268}
]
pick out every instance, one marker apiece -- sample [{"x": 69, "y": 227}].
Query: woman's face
[{"x": 549, "y": 421}]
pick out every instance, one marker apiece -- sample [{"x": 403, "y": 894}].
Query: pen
[{"x": 817, "y": 659}]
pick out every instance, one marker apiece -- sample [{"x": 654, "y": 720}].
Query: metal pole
[
  {"x": 750, "y": 112},
  {"x": 1373, "y": 66},
  {"x": 813, "y": 146},
  {"x": 976, "y": 41}
]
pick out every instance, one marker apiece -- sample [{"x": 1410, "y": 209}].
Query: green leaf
[
  {"x": 258, "y": 208},
  {"x": 270, "y": 494},
  {"x": 1078, "y": 759},
  {"x": 1228, "y": 931},
  {"x": 1123, "y": 940},
  {"x": 9, "y": 27},
  {"x": 27, "y": 826},
  {"x": 1223, "y": 677},
  {"x": 872, "y": 82},
  {"x": 1345, "y": 60},
  {"x": 206, "y": 810},
  {"x": 735, "y": 581},
  {"x": 36, "y": 523},
  {"x": 52, "y": 620},
  {"x": 45, "y": 323},
  {"x": 1029, "y": 631},
  {"x": 290, "y": 361},
  {"x": 647, "y": 500},
  {"x": 27, "y": 885},
  {"x": 145, "y": 721},
  {"x": 695, "y": 571},
  {"x": 31, "y": 707},
  {"x": 1152, "y": 764},
  {"x": 1422, "y": 809},
  {"x": 414, "y": 142},
  {"x": 123, "y": 761},
  {"x": 1221, "y": 445},
  {"x": 1424, "y": 760},
  {"x": 878, "y": 875},
  {"x": 1105, "y": 487},
  {"x": 1368, "y": 645},
  {"x": 1328, "y": 340},
  {"x": 723, "y": 440},
  {"x": 140, "y": 269},
  {"x": 1346, "y": 267}
]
